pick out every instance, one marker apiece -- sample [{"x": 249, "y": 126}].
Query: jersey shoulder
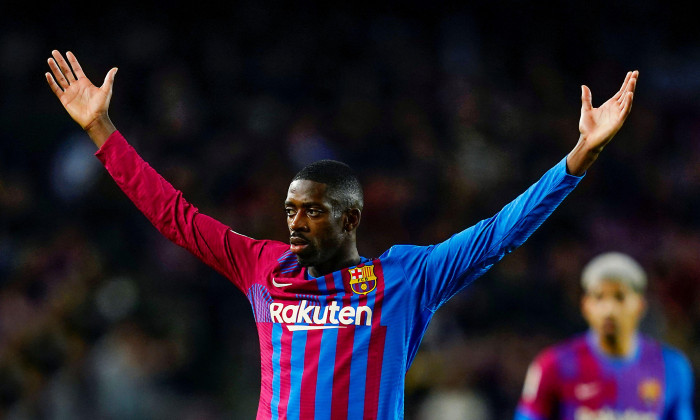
[
  {"x": 408, "y": 259},
  {"x": 270, "y": 256},
  {"x": 540, "y": 393},
  {"x": 269, "y": 250},
  {"x": 562, "y": 354},
  {"x": 676, "y": 361},
  {"x": 570, "y": 347},
  {"x": 674, "y": 358},
  {"x": 550, "y": 356},
  {"x": 405, "y": 252}
]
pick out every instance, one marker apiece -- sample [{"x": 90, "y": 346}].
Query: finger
[
  {"x": 631, "y": 86},
  {"x": 586, "y": 98},
  {"x": 619, "y": 95},
  {"x": 109, "y": 80},
  {"x": 53, "y": 85},
  {"x": 58, "y": 74},
  {"x": 76, "y": 66},
  {"x": 627, "y": 105},
  {"x": 65, "y": 68}
]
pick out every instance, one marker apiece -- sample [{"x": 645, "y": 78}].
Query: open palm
[
  {"x": 84, "y": 101},
  {"x": 599, "y": 125}
]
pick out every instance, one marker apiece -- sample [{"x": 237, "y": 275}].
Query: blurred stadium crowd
[{"x": 445, "y": 114}]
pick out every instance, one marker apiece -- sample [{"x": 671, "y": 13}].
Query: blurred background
[{"x": 446, "y": 113}]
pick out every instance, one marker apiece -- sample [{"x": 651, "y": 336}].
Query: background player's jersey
[
  {"x": 337, "y": 346},
  {"x": 576, "y": 381}
]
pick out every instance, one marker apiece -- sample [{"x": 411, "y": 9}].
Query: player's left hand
[{"x": 598, "y": 125}]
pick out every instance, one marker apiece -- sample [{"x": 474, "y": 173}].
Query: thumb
[
  {"x": 586, "y": 98},
  {"x": 109, "y": 79}
]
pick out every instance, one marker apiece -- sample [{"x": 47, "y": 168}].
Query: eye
[
  {"x": 313, "y": 212},
  {"x": 290, "y": 212}
]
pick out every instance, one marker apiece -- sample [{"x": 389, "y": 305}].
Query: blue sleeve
[
  {"x": 679, "y": 386},
  {"x": 439, "y": 271}
]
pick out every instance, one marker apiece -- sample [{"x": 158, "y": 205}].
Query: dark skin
[
  {"x": 324, "y": 240},
  {"x": 322, "y": 236}
]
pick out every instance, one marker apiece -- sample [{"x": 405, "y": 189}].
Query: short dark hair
[{"x": 343, "y": 186}]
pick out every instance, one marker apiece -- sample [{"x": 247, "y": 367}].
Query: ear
[
  {"x": 643, "y": 306},
  {"x": 351, "y": 219},
  {"x": 584, "y": 306}
]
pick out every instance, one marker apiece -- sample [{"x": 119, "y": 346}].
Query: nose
[
  {"x": 298, "y": 222},
  {"x": 609, "y": 307}
]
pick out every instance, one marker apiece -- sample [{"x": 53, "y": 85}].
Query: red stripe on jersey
[
  {"x": 343, "y": 359},
  {"x": 376, "y": 348},
  {"x": 331, "y": 290},
  {"x": 265, "y": 335},
  {"x": 309, "y": 377},
  {"x": 589, "y": 371},
  {"x": 285, "y": 370}
]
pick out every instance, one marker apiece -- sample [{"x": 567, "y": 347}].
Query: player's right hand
[{"x": 85, "y": 102}]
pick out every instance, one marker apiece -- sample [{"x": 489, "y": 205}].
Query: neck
[
  {"x": 617, "y": 345},
  {"x": 348, "y": 260}
]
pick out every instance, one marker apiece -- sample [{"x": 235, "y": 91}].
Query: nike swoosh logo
[
  {"x": 312, "y": 327},
  {"x": 274, "y": 283},
  {"x": 586, "y": 391}
]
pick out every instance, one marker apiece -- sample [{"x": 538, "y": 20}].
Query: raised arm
[
  {"x": 232, "y": 254},
  {"x": 86, "y": 103},
  {"x": 598, "y": 125},
  {"x": 450, "y": 265}
]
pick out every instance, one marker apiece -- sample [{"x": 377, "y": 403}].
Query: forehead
[
  {"x": 305, "y": 191},
  {"x": 609, "y": 286}
]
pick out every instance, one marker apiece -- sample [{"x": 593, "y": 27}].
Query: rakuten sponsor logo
[
  {"x": 585, "y": 413},
  {"x": 317, "y": 317}
]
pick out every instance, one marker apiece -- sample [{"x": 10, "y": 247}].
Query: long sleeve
[
  {"x": 439, "y": 271},
  {"x": 230, "y": 253},
  {"x": 679, "y": 385}
]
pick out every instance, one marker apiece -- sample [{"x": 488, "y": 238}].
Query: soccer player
[
  {"x": 337, "y": 330},
  {"x": 612, "y": 372}
]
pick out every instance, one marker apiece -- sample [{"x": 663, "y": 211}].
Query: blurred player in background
[
  {"x": 337, "y": 331},
  {"x": 612, "y": 372}
]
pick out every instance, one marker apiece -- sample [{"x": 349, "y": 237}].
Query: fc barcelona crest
[
  {"x": 650, "y": 391},
  {"x": 362, "y": 279}
]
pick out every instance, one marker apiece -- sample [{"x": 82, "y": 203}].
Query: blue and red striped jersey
[
  {"x": 576, "y": 380},
  {"x": 337, "y": 346}
]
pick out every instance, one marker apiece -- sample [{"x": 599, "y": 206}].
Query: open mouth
[{"x": 609, "y": 326}]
